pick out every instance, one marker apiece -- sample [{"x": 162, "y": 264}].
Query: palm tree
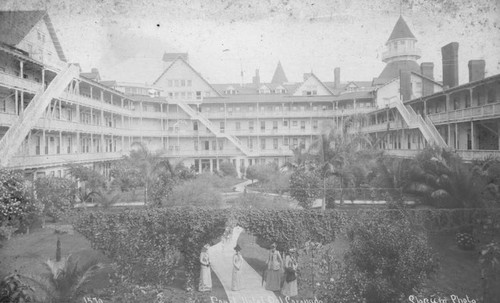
[
  {"x": 65, "y": 280},
  {"x": 150, "y": 165},
  {"x": 335, "y": 151},
  {"x": 442, "y": 176}
]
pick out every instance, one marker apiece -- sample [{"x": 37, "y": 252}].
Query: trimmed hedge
[{"x": 144, "y": 242}]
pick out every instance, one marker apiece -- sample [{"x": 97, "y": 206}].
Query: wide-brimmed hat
[
  {"x": 237, "y": 247},
  {"x": 206, "y": 247},
  {"x": 273, "y": 245}
]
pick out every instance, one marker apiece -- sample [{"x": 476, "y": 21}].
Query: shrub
[
  {"x": 304, "y": 187},
  {"x": 14, "y": 290},
  {"x": 388, "y": 256},
  {"x": 465, "y": 241},
  {"x": 127, "y": 237},
  {"x": 17, "y": 208},
  {"x": 56, "y": 194},
  {"x": 228, "y": 169}
]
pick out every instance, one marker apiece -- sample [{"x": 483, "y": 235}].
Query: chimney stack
[
  {"x": 336, "y": 78},
  {"x": 476, "y": 70},
  {"x": 449, "y": 54},
  {"x": 405, "y": 85},
  {"x": 94, "y": 70},
  {"x": 427, "y": 70},
  {"x": 256, "y": 78}
]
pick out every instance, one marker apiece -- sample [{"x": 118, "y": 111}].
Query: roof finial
[{"x": 400, "y": 7}]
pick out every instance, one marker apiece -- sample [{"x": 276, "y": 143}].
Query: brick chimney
[
  {"x": 336, "y": 77},
  {"x": 476, "y": 70},
  {"x": 427, "y": 70},
  {"x": 405, "y": 85},
  {"x": 449, "y": 54},
  {"x": 256, "y": 78}
]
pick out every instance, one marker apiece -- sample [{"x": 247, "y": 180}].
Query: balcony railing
[
  {"x": 62, "y": 159},
  {"x": 487, "y": 110},
  {"x": 401, "y": 52},
  {"x": 17, "y": 82},
  {"x": 469, "y": 155}
]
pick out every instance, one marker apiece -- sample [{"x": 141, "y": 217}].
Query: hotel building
[{"x": 52, "y": 113}]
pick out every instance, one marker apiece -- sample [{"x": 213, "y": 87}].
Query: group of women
[{"x": 279, "y": 275}]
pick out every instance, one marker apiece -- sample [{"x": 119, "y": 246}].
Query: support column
[
  {"x": 43, "y": 79},
  {"x": 16, "y": 98},
  {"x": 21, "y": 69},
  {"x": 449, "y": 135},
  {"x": 77, "y": 149},
  {"x": 44, "y": 145},
  {"x": 60, "y": 142},
  {"x": 91, "y": 117},
  {"x": 472, "y": 134},
  {"x": 77, "y": 113},
  {"x": 456, "y": 136},
  {"x": 92, "y": 143}
]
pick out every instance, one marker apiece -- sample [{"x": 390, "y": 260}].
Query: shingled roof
[
  {"x": 15, "y": 25},
  {"x": 392, "y": 70},
  {"x": 401, "y": 30},
  {"x": 279, "y": 75}
]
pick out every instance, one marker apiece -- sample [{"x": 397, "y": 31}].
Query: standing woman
[
  {"x": 237, "y": 261},
  {"x": 274, "y": 269},
  {"x": 290, "y": 285},
  {"x": 205, "y": 273}
]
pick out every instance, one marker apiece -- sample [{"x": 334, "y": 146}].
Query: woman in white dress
[
  {"x": 274, "y": 270},
  {"x": 205, "y": 272},
  {"x": 290, "y": 285},
  {"x": 237, "y": 262}
]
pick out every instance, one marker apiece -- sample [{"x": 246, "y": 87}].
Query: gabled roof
[
  {"x": 16, "y": 25},
  {"x": 194, "y": 71},
  {"x": 279, "y": 75},
  {"x": 312, "y": 75},
  {"x": 401, "y": 30}
]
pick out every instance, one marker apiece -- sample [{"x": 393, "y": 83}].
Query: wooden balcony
[
  {"x": 15, "y": 82},
  {"x": 23, "y": 162},
  {"x": 466, "y": 114}
]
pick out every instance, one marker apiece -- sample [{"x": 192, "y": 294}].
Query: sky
[{"x": 125, "y": 39}]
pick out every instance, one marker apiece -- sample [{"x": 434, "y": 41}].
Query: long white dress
[
  {"x": 205, "y": 273},
  {"x": 274, "y": 271},
  {"x": 290, "y": 288},
  {"x": 236, "y": 279}
]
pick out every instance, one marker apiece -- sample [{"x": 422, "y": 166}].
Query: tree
[
  {"x": 336, "y": 150},
  {"x": 92, "y": 179},
  {"x": 150, "y": 167},
  {"x": 56, "y": 194}
]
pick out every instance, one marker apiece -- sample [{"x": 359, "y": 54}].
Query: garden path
[{"x": 221, "y": 256}]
